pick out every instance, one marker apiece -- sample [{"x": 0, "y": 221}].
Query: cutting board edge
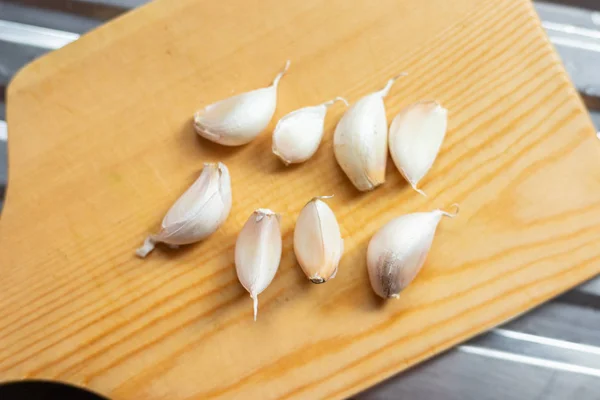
[{"x": 79, "y": 45}]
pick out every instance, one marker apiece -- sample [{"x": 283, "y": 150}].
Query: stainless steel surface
[
  {"x": 65, "y": 20},
  {"x": 576, "y": 35},
  {"x": 552, "y": 352}
]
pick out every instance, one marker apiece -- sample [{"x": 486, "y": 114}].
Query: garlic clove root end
[{"x": 416, "y": 189}]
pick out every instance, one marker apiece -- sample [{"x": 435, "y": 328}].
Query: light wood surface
[{"x": 101, "y": 144}]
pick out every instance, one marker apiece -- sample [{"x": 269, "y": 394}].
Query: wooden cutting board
[{"x": 101, "y": 144}]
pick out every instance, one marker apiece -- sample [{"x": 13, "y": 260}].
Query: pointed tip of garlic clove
[
  {"x": 430, "y": 106},
  {"x": 336, "y": 270},
  {"x": 441, "y": 110},
  {"x": 343, "y": 100},
  {"x": 260, "y": 213},
  {"x": 281, "y": 73},
  {"x": 317, "y": 280},
  {"x": 223, "y": 174},
  {"x": 385, "y": 91},
  {"x": 219, "y": 166},
  {"x": 255, "y": 305},
  {"x": 416, "y": 189},
  {"x": 330, "y": 196},
  {"x": 413, "y": 184},
  {"x": 146, "y": 248},
  {"x": 437, "y": 107},
  {"x": 331, "y": 102}
]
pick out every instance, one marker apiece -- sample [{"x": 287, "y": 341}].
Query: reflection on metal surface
[
  {"x": 539, "y": 362},
  {"x": 541, "y": 351},
  {"x": 3, "y": 131},
  {"x": 563, "y": 344},
  {"x": 575, "y": 33},
  {"x": 571, "y": 29},
  {"x": 14, "y": 32},
  {"x": 578, "y": 44}
]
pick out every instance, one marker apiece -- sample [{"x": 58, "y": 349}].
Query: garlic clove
[
  {"x": 318, "y": 243},
  {"x": 360, "y": 140},
  {"x": 258, "y": 252},
  {"x": 298, "y": 134},
  {"x": 398, "y": 250},
  {"x": 416, "y": 135},
  {"x": 197, "y": 213},
  {"x": 239, "y": 119}
]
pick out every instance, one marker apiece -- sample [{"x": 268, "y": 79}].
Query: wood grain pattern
[{"x": 101, "y": 144}]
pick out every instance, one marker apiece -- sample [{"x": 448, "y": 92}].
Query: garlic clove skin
[
  {"x": 416, "y": 135},
  {"x": 198, "y": 213},
  {"x": 258, "y": 252},
  {"x": 360, "y": 140},
  {"x": 318, "y": 242},
  {"x": 298, "y": 134},
  {"x": 398, "y": 250},
  {"x": 237, "y": 120}
]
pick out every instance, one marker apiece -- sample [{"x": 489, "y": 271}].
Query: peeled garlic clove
[
  {"x": 360, "y": 140},
  {"x": 197, "y": 213},
  {"x": 298, "y": 135},
  {"x": 318, "y": 241},
  {"x": 258, "y": 252},
  {"x": 239, "y": 119},
  {"x": 416, "y": 135},
  {"x": 398, "y": 250}
]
